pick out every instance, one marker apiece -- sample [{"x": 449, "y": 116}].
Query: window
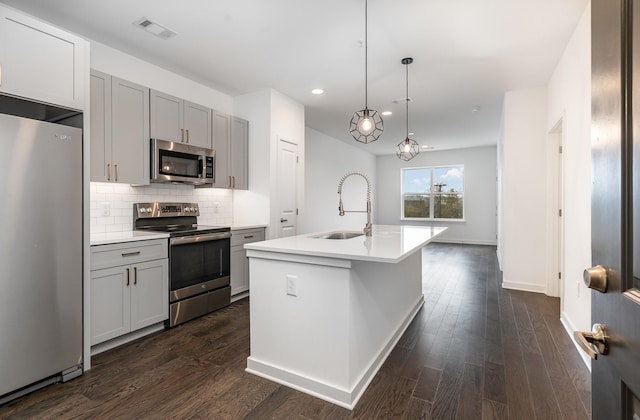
[{"x": 433, "y": 193}]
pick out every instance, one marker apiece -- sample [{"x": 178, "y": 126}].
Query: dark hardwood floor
[{"x": 474, "y": 351}]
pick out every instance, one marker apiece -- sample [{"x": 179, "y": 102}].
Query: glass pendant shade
[
  {"x": 366, "y": 125},
  {"x": 407, "y": 149}
]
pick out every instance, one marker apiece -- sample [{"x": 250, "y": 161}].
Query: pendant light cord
[
  {"x": 366, "y": 56},
  {"x": 407, "y": 98}
]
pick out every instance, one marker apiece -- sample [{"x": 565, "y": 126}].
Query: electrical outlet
[
  {"x": 291, "y": 285},
  {"x": 105, "y": 209}
]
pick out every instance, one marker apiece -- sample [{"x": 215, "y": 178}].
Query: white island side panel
[{"x": 330, "y": 339}]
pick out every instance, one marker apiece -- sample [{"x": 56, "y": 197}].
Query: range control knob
[
  {"x": 148, "y": 209},
  {"x": 195, "y": 209},
  {"x": 143, "y": 210}
]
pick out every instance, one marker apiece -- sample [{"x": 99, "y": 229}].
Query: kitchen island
[{"x": 325, "y": 313}]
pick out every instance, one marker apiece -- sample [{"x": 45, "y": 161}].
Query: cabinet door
[
  {"x": 221, "y": 138},
  {"x": 239, "y": 270},
  {"x": 130, "y": 132},
  {"x": 166, "y": 117},
  {"x": 149, "y": 293},
  {"x": 100, "y": 126},
  {"x": 110, "y": 303},
  {"x": 239, "y": 153},
  {"x": 197, "y": 125},
  {"x": 41, "y": 62}
]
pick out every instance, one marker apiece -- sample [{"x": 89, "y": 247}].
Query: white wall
[
  {"x": 272, "y": 116},
  {"x": 253, "y": 206},
  {"x": 569, "y": 100},
  {"x": 480, "y": 165},
  {"x": 327, "y": 160},
  {"x": 524, "y": 190}
]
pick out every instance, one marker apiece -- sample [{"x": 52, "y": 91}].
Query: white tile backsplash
[{"x": 216, "y": 205}]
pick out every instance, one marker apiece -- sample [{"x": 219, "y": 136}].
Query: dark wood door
[{"x": 615, "y": 232}]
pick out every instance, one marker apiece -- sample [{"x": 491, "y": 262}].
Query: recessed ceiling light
[
  {"x": 386, "y": 113},
  {"x": 154, "y": 28},
  {"x": 475, "y": 110},
  {"x": 317, "y": 91}
]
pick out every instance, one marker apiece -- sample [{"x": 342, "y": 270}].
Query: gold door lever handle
[{"x": 597, "y": 337}]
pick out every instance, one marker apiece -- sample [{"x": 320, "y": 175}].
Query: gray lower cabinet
[
  {"x": 178, "y": 120},
  {"x": 231, "y": 142},
  {"x": 239, "y": 261},
  {"x": 129, "y": 288},
  {"x": 119, "y": 130}
]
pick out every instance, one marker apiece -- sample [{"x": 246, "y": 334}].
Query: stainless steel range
[{"x": 199, "y": 258}]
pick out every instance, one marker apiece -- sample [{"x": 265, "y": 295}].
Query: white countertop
[
  {"x": 241, "y": 226},
  {"x": 128, "y": 236},
  {"x": 388, "y": 243}
]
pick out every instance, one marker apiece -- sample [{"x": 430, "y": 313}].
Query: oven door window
[
  {"x": 199, "y": 262},
  {"x": 180, "y": 164}
]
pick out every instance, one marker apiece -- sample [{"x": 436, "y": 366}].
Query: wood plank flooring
[{"x": 474, "y": 351}]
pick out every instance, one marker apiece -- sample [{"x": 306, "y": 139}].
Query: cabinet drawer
[
  {"x": 113, "y": 255},
  {"x": 246, "y": 236}
]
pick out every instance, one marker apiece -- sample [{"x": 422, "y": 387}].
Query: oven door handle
[{"x": 183, "y": 240}]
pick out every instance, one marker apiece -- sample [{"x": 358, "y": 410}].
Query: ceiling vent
[
  {"x": 154, "y": 28},
  {"x": 402, "y": 100}
]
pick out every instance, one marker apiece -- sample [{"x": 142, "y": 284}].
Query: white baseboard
[
  {"x": 525, "y": 287},
  {"x": 570, "y": 328},
  {"x": 464, "y": 241}
]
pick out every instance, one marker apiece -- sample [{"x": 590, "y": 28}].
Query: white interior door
[{"x": 287, "y": 185}]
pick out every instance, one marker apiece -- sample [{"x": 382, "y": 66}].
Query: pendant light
[
  {"x": 366, "y": 124},
  {"x": 407, "y": 149}
]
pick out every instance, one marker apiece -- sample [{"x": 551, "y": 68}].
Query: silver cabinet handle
[
  {"x": 182, "y": 135},
  {"x": 108, "y": 172},
  {"x": 597, "y": 337},
  {"x": 187, "y": 130},
  {"x": 283, "y": 220},
  {"x": 229, "y": 181},
  {"x": 233, "y": 185},
  {"x": 596, "y": 278},
  {"x": 116, "y": 167},
  {"x": 127, "y": 277},
  {"x": 130, "y": 254},
  {"x": 135, "y": 275},
  {"x": 248, "y": 237}
]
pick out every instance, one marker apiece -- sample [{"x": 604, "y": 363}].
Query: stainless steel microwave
[{"x": 181, "y": 163}]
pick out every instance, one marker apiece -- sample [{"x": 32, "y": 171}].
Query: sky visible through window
[{"x": 419, "y": 180}]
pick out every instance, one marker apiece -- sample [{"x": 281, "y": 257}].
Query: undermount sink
[{"x": 339, "y": 235}]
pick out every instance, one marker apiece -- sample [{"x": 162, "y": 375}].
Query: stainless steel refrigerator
[{"x": 41, "y": 250}]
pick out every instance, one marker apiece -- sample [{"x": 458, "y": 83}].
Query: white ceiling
[{"x": 466, "y": 53}]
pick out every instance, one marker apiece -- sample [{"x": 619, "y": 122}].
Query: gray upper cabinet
[
  {"x": 231, "y": 141},
  {"x": 221, "y": 136},
  {"x": 119, "y": 130},
  {"x": 239, "y": 153},
  {"x": 177, "y": 120}
]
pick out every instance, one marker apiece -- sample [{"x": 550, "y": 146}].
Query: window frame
[{"x": 431, "y": 194}]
